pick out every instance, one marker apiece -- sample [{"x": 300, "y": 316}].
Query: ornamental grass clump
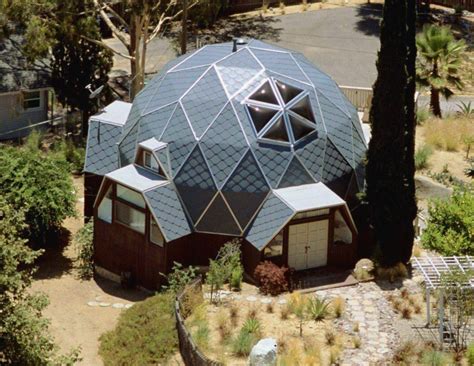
[
  {"x": 318, "y": 309},
  {"x": 246, "y": 338}
]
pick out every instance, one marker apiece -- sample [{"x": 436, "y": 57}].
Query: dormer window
[{"x": 150, "y": 162}]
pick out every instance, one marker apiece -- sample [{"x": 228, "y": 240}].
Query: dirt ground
[{"x": 73, "y": 322}]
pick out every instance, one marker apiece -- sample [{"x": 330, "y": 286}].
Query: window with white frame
[
  {"x": 130, "y": 216},
  {"x": 156, "y": 236},
  {"x": 150, "y": 162},
  {"x": 31, "y": 100},
  {"x": 130, "y": 195},
  {"x": 104, "y": 211}
]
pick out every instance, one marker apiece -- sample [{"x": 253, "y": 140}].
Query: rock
[
  {"x": 264, "y": 353},
  {"x": 365, "y": 264}
]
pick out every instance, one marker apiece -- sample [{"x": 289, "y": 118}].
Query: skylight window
[{"x": 281, "y": 112}]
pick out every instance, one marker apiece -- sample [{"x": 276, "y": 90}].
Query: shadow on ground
[
  {"x": 115, "y": 289},
  {"x": 226, "y": 29},
  {"x": 369, "y": 16},
  {"x": 53, "y": 263}
]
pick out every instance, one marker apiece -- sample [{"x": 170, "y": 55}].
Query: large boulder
[{"x": 264, "y": 353}]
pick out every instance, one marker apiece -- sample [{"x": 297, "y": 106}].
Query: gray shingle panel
[
  {"x": 127, "y": 146},
  {"x": 271, "y": 218},
  {"x": 339, "y": 128},
  {"x": 281, "y": 63},
  {"x": 335, "y": 165},
  {"x": 179, "y": 137},
  {"x": 164, "y": 159},
  {"x": 154, "y": 123},
  {"x": 223, "y": 145},
  {"x": 236, "y": 70},
  {"x": 295, "y": 175},
  {"x": 273, "y": 160},
  {"x": 204, "y": 102},
  {"x": 203, "y": 57},
  {"x": 101, "y": 149},
  {"x": 218, "y": 219},
  {"x": 172, "y": 88},
  {"x": 167, "y": 209},
  {"x": 311, "y": 155},
  {"x": 195, "y": 184}
]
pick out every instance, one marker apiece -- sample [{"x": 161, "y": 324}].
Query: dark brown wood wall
[{"x": 92, "y": 184}]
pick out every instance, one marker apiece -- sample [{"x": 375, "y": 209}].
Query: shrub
[
  {"x": 252, "y": 326},
  {"x": 406, "y": 312},
  {"x": 363, "y": 269},
  {"x": 422, "y": 114},
  {"x": 406, "y": 354},
  {"x": 243, "y": 343},
  {"x": 470, "y": 354},
  {"x": 74, "y": 155},
  {"x": 450, "y": 228},
  {"x": 356, "y": 342},
  {"x": 40, "y": 184},
  {"x": 330, "y": 337},
  {"x": 85, "y": 248},
  {"x": 269, "y": 308},
  {"x": 285, "y": 312},
  {"x": 318, "y": 309},
  {"x": 392, "y": 273},
  {"x": 145, "y": 334},
  {"x": 355, "y": 327},
  {"x": 190, "y": 300},
  {"x": 201, "y": 336},
  {"x": 436, "y": 358},
  {"x": 422, "y": 156},
  {"x": 236, "y": 278},
  {"x": 338, "y": 306},
  {"x": 223, "y": 326},
  {"x": 234, "y": 315},
  {"x": 271, "y": 278},
  {"x": 179, "y": 277}
]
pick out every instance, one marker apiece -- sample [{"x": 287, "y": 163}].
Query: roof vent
[{"x": 238, "y": 41}]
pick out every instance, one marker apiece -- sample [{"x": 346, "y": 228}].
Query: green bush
[
  {"x": 85, "y": 248},
  {"x": 470, "y": 354},
  {"x": 422, "y": 156},
  {"x": 40, "y": 184},
  {"x": 243, "y": 343},
  {"x": 436, "y": 358},
  {"x": 450, "y": 227},
  {"x": 179, "y": 277},
  {"x": 74, "y": 155},
  {"x": 236, "y": 278},
  {"x": 145, "y": 334},
  {"x": 422, "y": 114}
]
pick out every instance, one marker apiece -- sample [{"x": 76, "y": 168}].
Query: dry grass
[
  {"x": 449, "y": 134},
  {"x": 391, "y": 274},
  {"x": 337, "y": 306}
]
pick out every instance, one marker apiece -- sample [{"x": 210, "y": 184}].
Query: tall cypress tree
[
  {"x": 386, "y": 178},
  {"x": 410, "y": 128}
]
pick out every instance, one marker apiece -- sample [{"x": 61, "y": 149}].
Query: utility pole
[{"x": 184, "y": 27}]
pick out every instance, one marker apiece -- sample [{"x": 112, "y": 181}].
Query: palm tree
[{"x": 438, "y": 64}]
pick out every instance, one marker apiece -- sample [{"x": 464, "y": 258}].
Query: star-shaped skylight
[{"x": 280, "y": 112}]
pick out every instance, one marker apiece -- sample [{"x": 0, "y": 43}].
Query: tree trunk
[
  {"x": 434, "y": 103},
  {"x": 184, "y": 27},
  {"x": 137, "y": 73}
]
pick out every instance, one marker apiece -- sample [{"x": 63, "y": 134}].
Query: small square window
[
  {"x": 31, "y": 100},
  {"x": 150, "y": 162}
]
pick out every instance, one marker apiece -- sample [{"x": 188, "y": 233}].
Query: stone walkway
[{"x": 367, "y": 309}]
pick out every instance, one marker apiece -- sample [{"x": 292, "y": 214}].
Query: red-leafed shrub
[{"x": 271, "y": 279}]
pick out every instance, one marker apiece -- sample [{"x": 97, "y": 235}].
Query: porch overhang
[{"x": 284, "y": 203}]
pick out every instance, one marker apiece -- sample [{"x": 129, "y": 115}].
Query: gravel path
[{"x": 366, "y": 307}]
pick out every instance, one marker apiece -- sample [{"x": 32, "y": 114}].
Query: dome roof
[{"x": 239, "y": 124}]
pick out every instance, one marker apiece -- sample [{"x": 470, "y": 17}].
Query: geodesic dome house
[{"x": 248, "y": 141}]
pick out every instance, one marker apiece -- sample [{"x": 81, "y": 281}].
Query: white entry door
[{"x": 308, "y": 244}]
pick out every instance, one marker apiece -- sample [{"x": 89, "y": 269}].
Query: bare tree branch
[
  {"x": 123, "y": 37},
  {"x": 102, "y": 44}
]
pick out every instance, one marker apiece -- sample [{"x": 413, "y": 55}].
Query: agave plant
[
  {"x": 466, "y": 109},
  {"x": 438, "y": 63},
  {"x": 318, "y": 309}
]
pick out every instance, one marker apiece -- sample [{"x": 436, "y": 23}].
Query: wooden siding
[
  {"x": 13, "y": 117},
  {"x": 92, "y": 184}
]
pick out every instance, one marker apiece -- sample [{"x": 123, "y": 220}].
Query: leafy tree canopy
[
  {"x": 40, "y": 184},
  {"x": 450, "y": 229},
  {"x": 24, "y": 337}
]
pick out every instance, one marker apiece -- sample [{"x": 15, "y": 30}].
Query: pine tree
[{"x": 386, "y": 183}]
